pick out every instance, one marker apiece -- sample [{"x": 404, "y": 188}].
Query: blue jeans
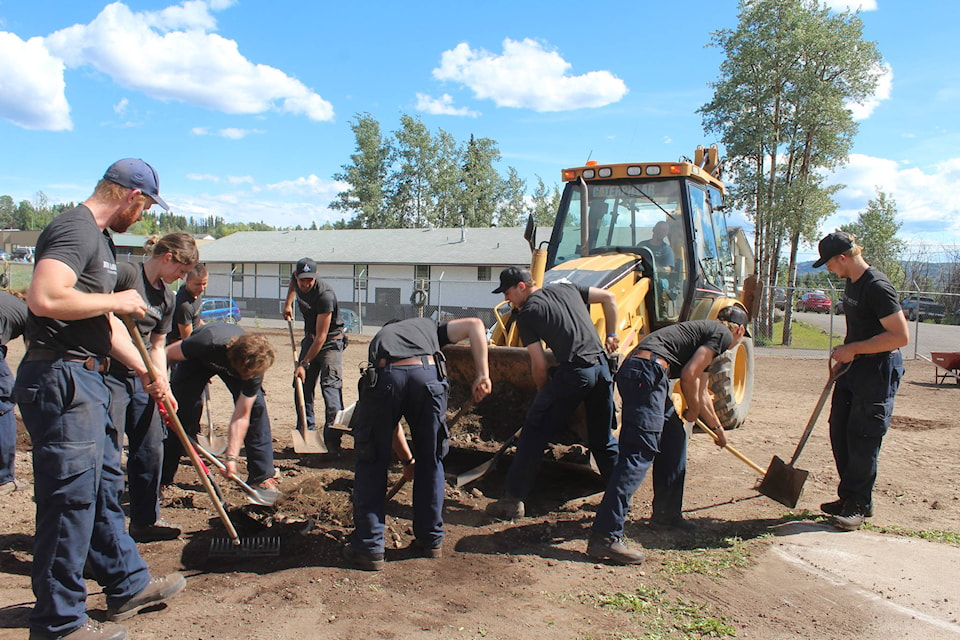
[
  {"x": 187, "y": 382},
  {"x": 78, "y": 479},
  {"x": 859, "y": 418},
  {"x": 8, "y": 423},
  {"x": 644, "y": 387},
  {"x": 133, "y": 410},
  {"x": 327, "y": 367},
  {"x": 417, "y": 394},
  {"x": 670, "y": 465},
  {"x": 551, "y": 409}
]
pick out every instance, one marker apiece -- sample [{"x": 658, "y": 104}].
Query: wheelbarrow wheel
[{"x": 731, "y": 383}]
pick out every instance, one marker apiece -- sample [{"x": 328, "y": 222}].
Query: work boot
[
  {"x": 90, "y": 630},
  {"x": 835, "y": 508},
  {"x": 675, "y": 522},
  {"x": 363, "y": 561},
  {"x": 9, "y": 487},
  {"x": 425, "y": 550},
  {"x": 506, "y": 509},
  {"x": 157, "y": 590},
  {"x": 159, "y": 530},
  {"x": 604, "y": 546},
  {"x": 852, "y": 516}
]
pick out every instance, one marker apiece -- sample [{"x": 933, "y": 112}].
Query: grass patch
[
  {"x": 931, "y": 535},
  {"x": 731, "y": 553},
  {"x": 665, "y": 617},
  {"x": 805, "y": 336}
]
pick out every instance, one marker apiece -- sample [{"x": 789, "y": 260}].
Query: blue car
[
  {"x": 351, "y": 321},
  {"x": 219, "y": 310}
]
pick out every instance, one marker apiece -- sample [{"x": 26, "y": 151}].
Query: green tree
[
  {"x": 876, "y": 232},
  {"x": 366, "y": 177},
  {"x": 546, "y": 202},
  {"x": 480, "y": 182},
  {"x": 780, "y": 107},
  {"x": 513, "y": 207},
  {"x": 411, "y": 179},
  {"x": 8, "y": 213},
  {"x": 447, "y": 186}
]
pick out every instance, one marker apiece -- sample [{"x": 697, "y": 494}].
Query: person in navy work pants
[
  {"x": 64, "y": 402},
  {"x": 13, "y": 318},
  {"x": 406, "y": 379}
]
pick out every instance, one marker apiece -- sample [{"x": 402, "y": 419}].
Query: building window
[
  {"x": 421, "y": 277},
  {"x": 361, "y": 273},
  {"x": 483, "y": 274}
]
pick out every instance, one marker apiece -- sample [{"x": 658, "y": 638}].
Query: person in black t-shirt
[
  {"x": 131, "y": 407},
  {"x": 559, "y": 315},
  {"x": 64, "y": 402},
  {"x": 240, "y": 359},
  {"x": 321, "y": 350},
  {"x": 862, "y": 403},
  {"x": 186, "y": 310},
  {"x": 684, "y": 351},
  {"x": 406, "y": 379},
  {"x": 13, "y": 318}
]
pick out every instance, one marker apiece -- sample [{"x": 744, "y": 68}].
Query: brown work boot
[
  {"x": 675, "y": 522},
  {"x": 363, "y": 561},
  {"x": 90, "y": 630},
  {"x": 159, "y": 530},
  {"x": 157, "y": 590},
  {"x": 506, "y": 509},
  {"x": 603, "y": 546},
  {"x": 427, "y": 551}
]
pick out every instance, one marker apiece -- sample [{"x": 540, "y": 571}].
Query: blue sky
[{"x": 244, "y": 107}]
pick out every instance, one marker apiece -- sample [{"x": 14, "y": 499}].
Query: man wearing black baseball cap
[
  {"x": 651, "y": 434},
  {"x": 321, "y": 350},
  {"x": 862, "y": 403}
]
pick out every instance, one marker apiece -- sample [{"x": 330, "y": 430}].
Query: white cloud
[
  {"x": 203, "y": 177},
  {"x": 862, "y": 111},
  {"x": 442, "y": 106},
  {"x": 528, "y": 76},
  {"x": 231, "y": 133},
  {"x": 188, "y": 65},
  {"x": 32, "y": 88},
  {"x": 928, "y": 203},
  {"x": 121, "y": 107}
]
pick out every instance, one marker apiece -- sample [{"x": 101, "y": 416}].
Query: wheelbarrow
[{"x": 782, "y": 481}]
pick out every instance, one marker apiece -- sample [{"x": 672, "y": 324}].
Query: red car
[{"x": 815, "y": 302}]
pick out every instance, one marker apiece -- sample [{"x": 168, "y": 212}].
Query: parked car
[
  {"x": 928, "y": 308},
  {"x": 815, "y": 302},
  {"x": 219, "y": 310},
  {"x": 22, "y": 254},
  {"x": 5, "y": 256},
  {"x": 351, "y": 321},
  {"x": 780, "y": 298}
]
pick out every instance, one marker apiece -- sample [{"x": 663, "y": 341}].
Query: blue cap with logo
[{"x": 134, "y": 173}]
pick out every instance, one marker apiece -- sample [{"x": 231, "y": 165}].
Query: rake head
[{"x": 259, "y": 546}]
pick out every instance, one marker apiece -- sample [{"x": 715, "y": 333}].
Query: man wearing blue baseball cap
[{"x": 72, "y": 334}]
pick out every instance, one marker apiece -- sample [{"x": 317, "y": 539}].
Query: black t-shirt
[
  {"x": 319, "y": 299},
  {"x": 13, "y": 317},
  {"x": 865, "y": 302},
  {"x": 159, "y": 306},
  {"x": 559, "y": 315},
  {"x": 207, "y": 346},
  {"x": 678, "y": 342},
  {"x": 74, "y": 239},
  {"x": 408, "y": 338},
  {"x": 186, "y": 310}
]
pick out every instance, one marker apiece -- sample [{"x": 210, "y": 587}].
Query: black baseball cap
[
  {"x": 736, "y": 315},
  {"x": 306, "y": 268},
  {"x": 511, "y": 277},
  {"x": 134, "y": 173},
  {"x": 832, "y": 245}
]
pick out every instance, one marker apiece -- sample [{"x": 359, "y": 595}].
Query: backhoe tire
[{"x": 731, "y": 383}]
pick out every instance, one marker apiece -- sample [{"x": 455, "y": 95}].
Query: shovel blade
[
  {"x": 308, "y": 441},
  {"x": 476, "y": 473},
  {"x": 343, "y": 418},
  {"x": 214, "y": 444},
  {"x": 783, "y": 483}
]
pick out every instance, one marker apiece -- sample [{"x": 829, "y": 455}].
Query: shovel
[
  {"x": 304, "y": 440},
  {"x": 234, "y": 547},
  {"x": 479, "y": 471},
  {"x": 783, "y": 482},
  {"x": 729, "y": 447},
  {"x": 260, "y": 497},
  {"x": 211, "y": 442}
]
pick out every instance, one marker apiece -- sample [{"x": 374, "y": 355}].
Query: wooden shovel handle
[{"x": 750, "y": 463}]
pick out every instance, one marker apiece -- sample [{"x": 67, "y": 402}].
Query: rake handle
[
  {"x": 178, "y": 429},
  {"x": 750, "y": 463}
]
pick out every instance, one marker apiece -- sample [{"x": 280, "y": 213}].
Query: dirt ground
[{"x": 531, "y": 579}]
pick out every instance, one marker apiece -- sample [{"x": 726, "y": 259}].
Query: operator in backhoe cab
[
  {"x": 559, "y": 315},
  {"x": 683, "y": 350}
]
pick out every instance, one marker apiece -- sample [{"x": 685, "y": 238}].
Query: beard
[{"x": 126, "y": 218}]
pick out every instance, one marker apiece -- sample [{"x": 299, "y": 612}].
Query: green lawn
[{"x": 806, "y": 336}]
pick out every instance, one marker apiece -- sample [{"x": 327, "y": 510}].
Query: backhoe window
[
  {"x": 713, "y": 245},
  {"x": 623, "y": 215}
]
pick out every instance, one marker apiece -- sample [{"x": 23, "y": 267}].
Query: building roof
[{"x": 470, "y": 246}]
